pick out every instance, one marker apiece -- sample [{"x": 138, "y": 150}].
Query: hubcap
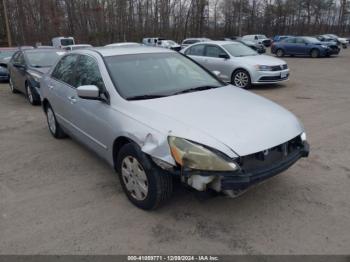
[
  {"x": 314, "y": 53},
  {"x": 30, "y": 94},
  {"x": 241, "y": 79},
  {"x": 279, "y": 53},
  {"x": 51, "y": 120},
  {"x": 134, "y": 178}
]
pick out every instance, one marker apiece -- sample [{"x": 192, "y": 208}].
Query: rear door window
[
  {"x": 197, "y": 50},
  {"x": 214, "y": 51}
]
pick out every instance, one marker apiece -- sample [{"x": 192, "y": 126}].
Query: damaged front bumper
[{"x": 254, "y": 169}]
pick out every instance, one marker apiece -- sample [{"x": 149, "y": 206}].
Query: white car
[
  {"x": 238, "y": 64},
  {"x": 76, "y": 47},
  {"x": 124, "y": 44},
  {"x": 259, "y": 39}
]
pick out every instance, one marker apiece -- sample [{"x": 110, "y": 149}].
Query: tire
[
  {"x": 144, "y": 183},
  {"x": 52, "y": 123},
  {"x": 32, "y": 97},
  {"x": 280, "y": 52},
  {"x": 345, "y": 46},
  {"x": 241, "y": 78},
  {"x": 12, "y": 87},
  {"x": 314, "y": 53}
]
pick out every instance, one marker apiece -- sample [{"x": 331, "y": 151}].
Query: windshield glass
[
  {"x": 43, "y": 58},
  {"x": 160, "y": 74},
  {"x": 312, "y": 40},
  {"x": 262, "y": 37},
  {"x": 239, "y": 50},
  {"x": 4, "y": 54},
  {"x": 65, "y": 42}
]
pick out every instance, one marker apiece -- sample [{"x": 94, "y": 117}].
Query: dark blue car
[
  {"x": 304, "y": 46},
  {"x": 278, "y": 38}
]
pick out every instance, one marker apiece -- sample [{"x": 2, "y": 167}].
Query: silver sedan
[
  {"x": 153, "y": 114},
  {"x": 238, "y": 64}
]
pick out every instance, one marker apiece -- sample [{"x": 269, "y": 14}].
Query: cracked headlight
[{"x": 190, "y": 155}]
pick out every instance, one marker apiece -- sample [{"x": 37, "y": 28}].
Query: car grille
[
  {"x": 270, "y": 157},
  {"x": 279, "y": 67}
]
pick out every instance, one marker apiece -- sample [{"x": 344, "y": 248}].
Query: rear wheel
[
  {"x": 32, "y": 97},
  {"x": 144, "y": 183},
  {"x": 241, "y": 78},
  {"x": 53, "y": 125},
  {"x": 12, "y": 87},
  {"x": 314, "y": 53},
  {"x": 280, "y": 52}
]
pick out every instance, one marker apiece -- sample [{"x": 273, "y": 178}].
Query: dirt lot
[{"x": 58, "y": 198}]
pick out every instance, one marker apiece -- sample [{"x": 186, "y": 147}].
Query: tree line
[{"x": 106, "y": 21}]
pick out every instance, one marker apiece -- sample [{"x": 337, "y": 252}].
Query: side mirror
[
  {"x": 225, "y": 56},
  {"x": 89, "y": 92},
  {"x": 217, "y": 73}
]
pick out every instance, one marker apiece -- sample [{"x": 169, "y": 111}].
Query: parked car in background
[
  {"x": 60, "y": 42},
  {"x": 342, "y": 41},
  {"x": 75, "y": 47},
  {"x": 152, "y": 41},
  {"x": 304, "y": 46},
  {"x": 191, "y": 41},
  {"x": 170, "y": 44},
  {"x": 149, "y": 126},
  {"x": 260, "y": 48},
  {"x": 260, "y": 39},
  {"x": 124, "y": 44},
  {"x": 278, "y": 38},
  {"x": 27, "y": 67},
  {"x": 238, "y": 64},
  {"x": 5, "y": 57}
]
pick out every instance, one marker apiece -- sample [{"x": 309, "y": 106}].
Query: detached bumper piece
[{"x": 263, "y": 165}]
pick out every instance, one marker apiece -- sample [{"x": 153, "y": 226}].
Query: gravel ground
[{"x": 56, "y": 197}]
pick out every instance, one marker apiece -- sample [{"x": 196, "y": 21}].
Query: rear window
[{"x": 65, "y": 42}]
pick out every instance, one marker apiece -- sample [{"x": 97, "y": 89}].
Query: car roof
[
  {"x": 106, "y": 52},
  {"x": 38, "y": 50}
]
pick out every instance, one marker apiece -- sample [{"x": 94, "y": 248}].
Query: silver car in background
[
  {"x": 238, "y": 64},
  {"x": 172, "y": 118},
  {"x": 190, "y": 41}
]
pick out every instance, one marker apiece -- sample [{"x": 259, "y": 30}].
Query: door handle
[
  {"x": 72, "y": 99},
  {"x": 50, "y": 86}
]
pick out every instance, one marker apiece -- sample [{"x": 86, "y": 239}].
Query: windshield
[
  {"x": 65, "y": 42},
  {"x": 4, "y": 54},
  {"x": 239, "y": 50},
  {"x": 312, "y": 40},
  {"x": 169, "y": 42},
  {"x": 262, "y": 37},
  {"x": 43, "y": 58},
  {"x": 160, "y": 74}
]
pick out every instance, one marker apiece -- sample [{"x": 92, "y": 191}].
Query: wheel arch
[{"x": 118, "y": 143}]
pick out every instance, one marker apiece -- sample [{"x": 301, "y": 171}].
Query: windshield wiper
[
  {"x": 144, "y": 97},
  {"x": 195, "y": 89}
]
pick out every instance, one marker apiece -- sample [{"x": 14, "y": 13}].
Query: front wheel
[
  {"x": 280, "y": 53},
  {"x": 12, "y": 87},
  {"x": 315, "y": 53},
  {"x": 54, "y": 127},
  {"x": 32, "y": 97},
  {"x": 144, "y": 183},
  {"x": 241, "y": 78}
]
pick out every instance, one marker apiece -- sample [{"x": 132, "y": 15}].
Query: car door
[
  {"x": 61, "y": 90},
  {"x": 91, "y": 117},
  {"x": 301, "y": 46},
  {"x": 289, "y": 46},
  {"x": 213, "y": 61},
  {"x": 18, "y": 71}
]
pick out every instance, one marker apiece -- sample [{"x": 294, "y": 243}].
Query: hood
[
  {"x": 40, "y": 70},
  {"x": 261, "y": 60},
  {"x": 242, "y": 121}
]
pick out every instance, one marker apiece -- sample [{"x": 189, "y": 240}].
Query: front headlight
[
  {"x": 303, "y": 137},
  {"x": 194, "y": 156},
  {"x": 324, "y": 46},
  {"x": 263, "y": 68}
]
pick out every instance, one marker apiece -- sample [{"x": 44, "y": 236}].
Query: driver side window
[
  {"x": 214, "y": 51},
  {"x": 88, "y": 73}
]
